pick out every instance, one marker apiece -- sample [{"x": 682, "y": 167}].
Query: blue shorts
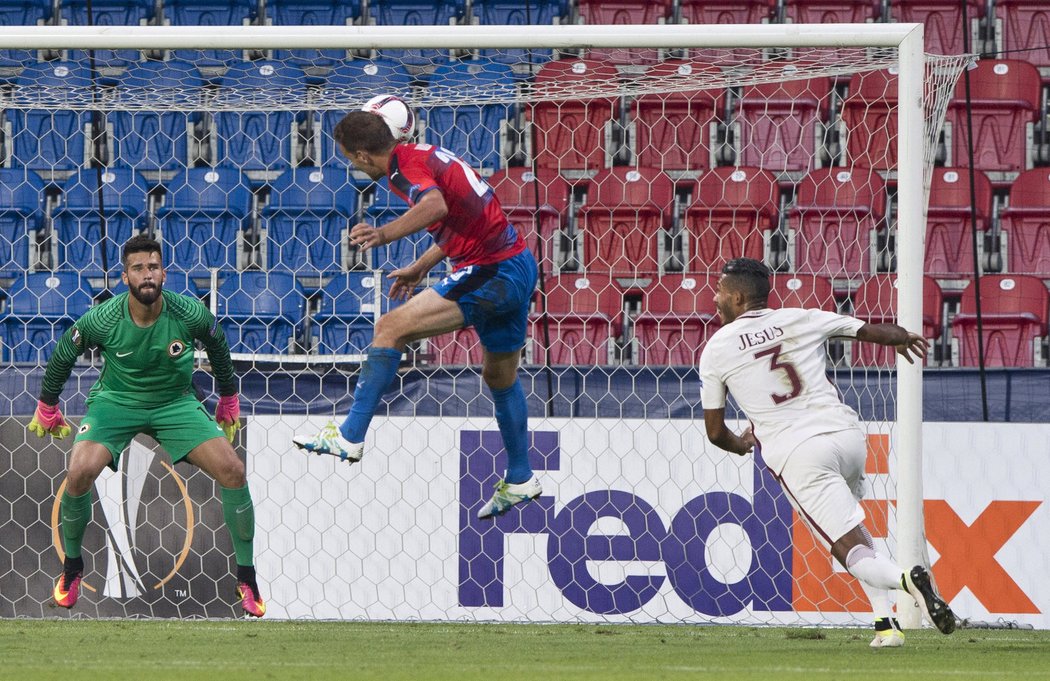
[{"x": 494, "y": 299}]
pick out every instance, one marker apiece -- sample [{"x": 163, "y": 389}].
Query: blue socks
[
  {"x": 377, "y": 372},
  {"x": 512, "y": 415}
]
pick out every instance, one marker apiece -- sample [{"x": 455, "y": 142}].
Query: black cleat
[{"x": 917, "y": 583}]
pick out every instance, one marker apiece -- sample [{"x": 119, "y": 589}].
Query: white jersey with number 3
[{"x": 773, "y": 363}]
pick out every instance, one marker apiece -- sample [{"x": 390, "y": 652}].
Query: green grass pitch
[{"x": 84, "y": 650}]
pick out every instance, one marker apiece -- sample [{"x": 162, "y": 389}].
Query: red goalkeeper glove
[
  {"x": 48, "y": 419},
  {"x": 228, "y": 415}
]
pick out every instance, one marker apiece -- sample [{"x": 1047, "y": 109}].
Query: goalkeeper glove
[
  {"x": 228, "y": 415},
  {"x": 48, "y": 419}
]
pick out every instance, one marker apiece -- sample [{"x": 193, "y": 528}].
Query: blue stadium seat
[
  {"x": 107, "y": 13},
  {"x": 517, "y": 13},
  {"x": 209, "y": 13},
  {"x": 307, "y": 220},
  {"x": 40, "y": 306},
  {"x": 78, "y": 220},
  {"x": 365, "y": 78},
  {"x": 258, "y": 140},
  {"x": 21, "y": 212},
  {"x": 346, "y": 316},
  {"x": 473, "y": 132},
  {"x": 260, "y": 312},
  {"x": 416, "y": 13},
  {"x": 386, "y": 206},
  {"x": 51, "y": 139},
  {"x": 202, "y": 218},
  {"x": 176, "y": 281},
  {"x": 156, "y": 139},
  {"x": 22, "y": 13},
  {"x": 313, "y": 13}
]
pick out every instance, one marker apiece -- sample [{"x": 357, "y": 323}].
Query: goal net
[{"x": 634, "y": 170}]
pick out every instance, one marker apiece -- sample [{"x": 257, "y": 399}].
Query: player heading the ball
[
  {"x": 773, "y": 362},
  {"x": 493, "y": 278}
]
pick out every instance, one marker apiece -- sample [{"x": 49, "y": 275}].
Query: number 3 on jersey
[{"x": 787, "y": 367}]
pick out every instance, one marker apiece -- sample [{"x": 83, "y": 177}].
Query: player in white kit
[{"x": 773, "y": 362}]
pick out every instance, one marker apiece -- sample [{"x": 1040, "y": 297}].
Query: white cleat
[
  {"x": 508, "y": 495},
  {"x": 888, "y": 638},
  {"x": 330, "y": 441}
]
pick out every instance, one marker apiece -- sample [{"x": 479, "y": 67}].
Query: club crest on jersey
[{"x": 176, "y": 348}]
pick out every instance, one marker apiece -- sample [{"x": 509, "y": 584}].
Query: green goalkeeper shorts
[{"x": 179, "y": 426}]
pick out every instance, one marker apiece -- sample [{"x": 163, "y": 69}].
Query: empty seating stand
[
  {"x": 1025, "y": 25},
  {"x": 21, "y": 216},
  {"x": 49, "y": 140},
  {"x": 677, "y": 317},
  {"x": 517, "y": 13},
  {"x": 1025, "y": 224},
  {"x": 949, "y": 242},
  {"x": 582, "y": 315},
  {"x": 346, "y": 316},
  {"x": 107, "y": 13},
  {"x": 39, "y": 307},
  {"x": 875, "y": 301},
  {"x": 732, "y": 214},
  {"x": 942, "y": 21},
  {"x": 802, "y": 290},
  {"x": 536, "y": 203},
  {"x": 209, "y": 13},
  {"x": 312, "y": 13},
  {"x": 22, "y": 13},
  {"x": 624, "y": 12},
  {"x": 416, "y": 13},
  {"x": 869, "y": 119},
  {"x": 1013, "y": 316},
  {"x": 260, "y": 312},
  {"x": 780, "y": 123}
]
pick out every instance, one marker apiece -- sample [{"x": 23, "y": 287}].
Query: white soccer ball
[{"x": 397, "y": 114}]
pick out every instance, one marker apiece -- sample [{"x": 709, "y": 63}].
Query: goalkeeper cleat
[
  {"x": 917, "y": 582},
  {"x": 251, "y": 601},
  {"x": 330, "y": 441},
  {"x": 888, "y": 634},
  {"x": 67, "y": 589},
  {"x": 508, "y": 495}
]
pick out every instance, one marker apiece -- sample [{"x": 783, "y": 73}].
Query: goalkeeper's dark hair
[
  {"x": 140, "y": 243},
  {"x": 364, "y": 131},
  {"x": 750, "y": 277}
]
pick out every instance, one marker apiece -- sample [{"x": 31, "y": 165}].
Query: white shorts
[{"x": 824, "y": 480}]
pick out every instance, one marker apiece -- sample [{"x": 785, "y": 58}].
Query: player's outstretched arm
[
  {"x": 48, "y": 416},
  {"x": 407, "y": 279},
  {"x": 905, "y": 342},
  {"x": 723, "y": 438},
  {"x": 429, "y": 209}
]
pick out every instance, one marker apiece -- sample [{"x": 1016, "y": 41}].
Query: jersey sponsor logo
[{"x": 176, "y": 348}]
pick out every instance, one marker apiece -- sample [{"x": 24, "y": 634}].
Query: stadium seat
[
  {"x": 625, "y": 211},
  {"x": 832, "y": 11},
  {"x": 584, "y": 316},
  {"x": 677, "y": 316},
  {"x": 387, "y": 206},
  {"x": 363, "y": 78},
  {"x": 726, "y": 11},
  {"x": 943, "y": 22},
  {"x": 570, "y": 134},
  {"x": 347, "y": 313},
  {"x": 1005, "y": 95},
  {"x": 78, "y": 220},
  {"x": 416, "y": 13},
  {"x": 516, "y": 13},
  {"x": 1014, "y": 316},
  {"x": 1025, "y": 224},
  {"x": 624, "y": 12},
  {"x": 209, "y": 13},
  {"x": 154, "y": 139},
  {"x": 51, "y": 139},
  {"x": 22, "y": 13},
  {"x": 40, "y": 306},
  {"x": 536, "y": 203},
  {"x": 779, "y": 124},
  {"x": 21, "y": 216},
  {"x": 949, "y": 243},
  {"x": 307, "y": 220},
  {"x": 835, "y": 212},
  {"x": 1024, "y": 25},
  {"x": 674, "y": 130},
  {"x": 261, "y": 312},
  {"x": 875, "y": 301},
  {"x": 869, "y": 115},
  {"x": 732, "y": 214},
  {"x": 802, "y": 290},
  {"x": 106, "y": 13},
  {"x": 312, "y": 13},
  {"x": 203, "y": 219},
  {"x": 458, "y": 348},
  {"x": 258, "y": 140},
  {"x": 474, "y": 132}
]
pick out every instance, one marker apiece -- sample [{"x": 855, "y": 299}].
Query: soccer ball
[{"x": 398, "y": 115}]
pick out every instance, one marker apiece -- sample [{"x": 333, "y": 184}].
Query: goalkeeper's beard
[{"x": 149, "y": 296}]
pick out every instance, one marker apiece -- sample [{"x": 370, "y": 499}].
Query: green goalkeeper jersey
[{"x": 149, "y": 366}]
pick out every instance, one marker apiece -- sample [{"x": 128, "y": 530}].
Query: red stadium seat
[
  {"x": 876, "y": 302},
  {"x": 949, "y": 244},
  {"x": 943, "y": 22},
  {"x": 624, "y": 12},
  {"x": 832, "y": 11},
  {"x": 570, "y": 134},
  {"x": 1005, "y": 96},
  {"x": 678, "y": 316},
  {"x": 733, "y": 212},
  {"x": 1025, "y": 25},
  {"x": 802, "y": 290},
  {"x": 536, "y": 204},
  {"x": 726, "y": 11},
  {"x": 673, "y": 130},
  {"x": 459, "y": 348},
  {"x": 1014, "y": 315},
  {"x": 836, "y": 210},
  {"x": 779, "y": 123},
  {"x": 584, "y": 314},
  {"x": 1026, "y": 224},
  {"x": 625, "y": 210},
  {"x": 869, "y": 114}
]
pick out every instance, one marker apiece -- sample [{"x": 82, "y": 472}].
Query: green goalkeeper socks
[
  {"x": 239, "y": 512},
  {"x": 75, "y": 513}
]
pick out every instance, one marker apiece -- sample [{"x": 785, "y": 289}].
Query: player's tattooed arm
[
  {"x": 906, "y": 343},
  {"x": 723, "y": 438}
]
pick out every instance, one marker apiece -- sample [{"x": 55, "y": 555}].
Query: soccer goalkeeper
[{"x": 146, "y": 337}]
